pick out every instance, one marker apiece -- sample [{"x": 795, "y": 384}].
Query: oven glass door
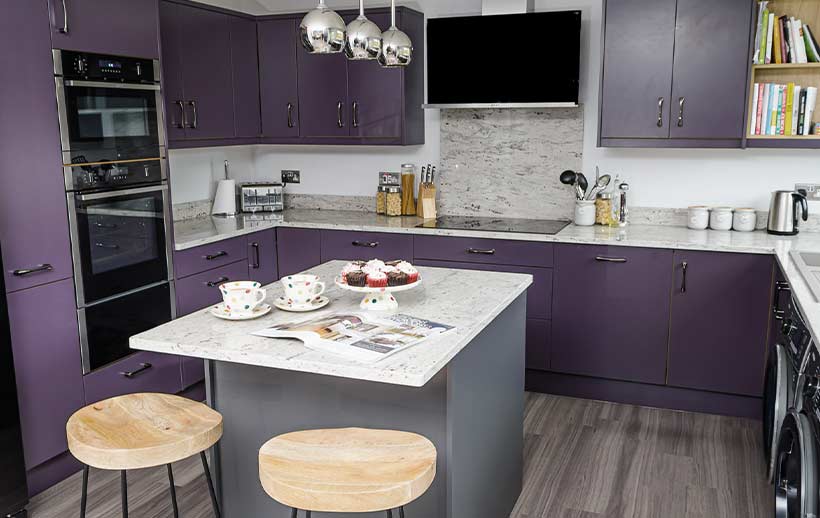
[
  {"x": 102, "y": 122},
  {"x": 119, "y": 241}
]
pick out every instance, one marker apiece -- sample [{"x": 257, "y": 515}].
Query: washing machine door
[
  {"x": 795, "y": 482},
  {"x": 776, "y": 402}
]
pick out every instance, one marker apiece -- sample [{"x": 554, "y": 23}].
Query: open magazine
[{"x": 358, "y": 336}]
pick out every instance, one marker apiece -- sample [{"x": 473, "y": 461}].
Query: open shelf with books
[{"x": 785, "y": 75}]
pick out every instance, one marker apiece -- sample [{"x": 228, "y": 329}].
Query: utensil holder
[
  {"x": 427, "y": 201},
  {"x": 584, "y": 213}
]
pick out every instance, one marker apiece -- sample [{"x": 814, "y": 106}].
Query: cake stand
[{"x": 377, "y": 299}]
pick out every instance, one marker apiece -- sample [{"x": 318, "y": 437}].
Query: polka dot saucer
[
  {"x": 286, "y": 304},
  {"x": 222, "y": 311}
]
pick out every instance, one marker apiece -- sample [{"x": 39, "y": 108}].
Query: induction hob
[{"x": 525, "y": 226}]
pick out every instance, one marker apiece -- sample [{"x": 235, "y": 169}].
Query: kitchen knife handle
[
  {"x": 685, "y": 267},
  {"x": 133, "y": 374},
  {"x": 45, "y": 267},
  {"x": 214, "y": 284}
]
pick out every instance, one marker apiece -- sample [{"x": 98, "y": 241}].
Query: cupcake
[
  {"x": 410, "y": 270},
  {"x": 377, "y": 279},
  {"x": 373, "y": 266},
  {"x": 356, "y": 278},
  {"x": 396, "y": 278}
]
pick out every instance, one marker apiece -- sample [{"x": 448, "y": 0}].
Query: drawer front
[
  {"x": 539, "y": 294},
  {"x": 193, "y": 371},
  {"x": 201, "y": 290},
  {"x": 140, "y": 372},
  {"x": 207, "y": 257},
  {"x": 487, "y": 251},
  {"x": 338, "y": 244}
]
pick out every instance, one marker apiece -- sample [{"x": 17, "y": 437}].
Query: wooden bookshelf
[{"x": 803, "y": 74}]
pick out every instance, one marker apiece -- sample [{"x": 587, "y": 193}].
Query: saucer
[
  {"x": 220, "y": 311},
  {"x": 317, "y": 303}
]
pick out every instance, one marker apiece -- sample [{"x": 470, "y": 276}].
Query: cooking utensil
[
  {"x": 583, "y": 184},
  {"x": 600, "y": 184}
]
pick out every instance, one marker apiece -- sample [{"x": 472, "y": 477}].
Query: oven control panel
[
  {"x": 85, "y": 66},
  {"x": 114, "y": 175}
]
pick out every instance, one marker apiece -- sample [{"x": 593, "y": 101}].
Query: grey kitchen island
[{"x": 464, "y": 390}]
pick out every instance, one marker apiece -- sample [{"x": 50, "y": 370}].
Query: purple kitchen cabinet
[
  {"x": 478, "y": 250},
  {"x": 193, "y": 371},
  {"x": 720, "y": 316},
  {"x": 539, "y": 346},
  {"x": 278, "y": 77},
  {"x": 30, "y": 161},
  {"x": 639, "y": 42},
  {"x": 710, "y": 67},
  {"x": 171, "y": 23},
  {"x": 297, "y": 249},
  {"x": 341, "y": 244},
  {"x": 119, "y": 27},
  {"x": 611, "y": 313},
  {"x": 262, "y": 265},
  {"x": 201, "y": 290},
  {"x": 245, "y": 65},
  {"x": 46, "y": 344},
  {"x": 140, "y": 372},
  {"x": 206, "y": 257},
  {"x": 323, "y": 108}
]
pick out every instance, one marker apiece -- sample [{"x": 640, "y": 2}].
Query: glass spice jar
[
  {"x": 381, "y": 200},
  {"x": 603, "y": 209},
  {"x": 393, "y": 201}
]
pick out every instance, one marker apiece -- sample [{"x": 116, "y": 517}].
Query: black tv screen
[{"x": 530, "y": 58}]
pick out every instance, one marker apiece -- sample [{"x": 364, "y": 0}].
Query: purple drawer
[
  {"x": 207, "y": 257},
  {"x": 200, "y": 290},
  {"x": 140, "y": 372},
  {"x": 539, "y": 336},
  {"x": 340, "y": 244},
  {"x": 539, "y": 294},
  {"x": 488, "y": 251},
  {"x": 193, "y": 371}
]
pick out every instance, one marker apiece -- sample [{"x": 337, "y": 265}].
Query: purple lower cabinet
[
  {"x": 210, "y": 256},
  {"x": 51, "y": 472},
  {"x": 720, "y": 318},
  {"x": 46, "y": 344},
  {"x": 348, "y": 245},
  {"x": 201, "y": 290},
  {"x": 298, "y": 249},
  {"x": 539, "y": 337},
  {"x": 478, "y": 250},
  {"x": 611, "y": 312},
  {"x": 262, "y": 257},
  {"x": 193, "y": 371},
  {"x": 140, "y": 372}
]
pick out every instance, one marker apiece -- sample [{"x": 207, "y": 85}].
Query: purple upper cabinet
[
  {"x": 245, "y": 66},
  {"x": 46, "y": 344},
  {"x": 120, "y": 27},
  {"x": 262, "y": 265},
  {"x": 277, "y": 78},
  {"x": 297, "y": 249},
  {"x": 323, "y": 108},
  {"x": 639, "y": 42},
  {"x": 173, "y": 86},
  {"x": 611, "y": 313},
  {"x": 720, "y": 315},
  {"x": 30, "y": 160},
  {"x": 711, "y": 46}
]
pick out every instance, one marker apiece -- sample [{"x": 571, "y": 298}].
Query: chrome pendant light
[
  {"x": 364, "y": 38},
  {"x": 322, "y": 31},
  {"x": 397, "y": 49}
]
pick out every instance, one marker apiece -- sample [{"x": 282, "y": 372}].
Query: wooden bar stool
[
  {"x": 142, "y": 431},
  {"x": 347, "y": 470}
]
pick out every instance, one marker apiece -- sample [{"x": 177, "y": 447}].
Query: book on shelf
[
  {"x": 811, "y": 44},
  {"x": 782, "y": 109},
  {"x": 770, "y": 38},
  {"x": 776, "y": 42},
  {"x": 759, "y": 31},
  {"x": 783, "y": 39}
]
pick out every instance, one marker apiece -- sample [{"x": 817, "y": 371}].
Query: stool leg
[
  {"x": 210, "y": 484},
  {"x": 389, "y": 513},
  {"x": 294, "y": 513},
  {"x": 401, "y": 512},
  {"x": 307, "y": 514},
  {"x": 124, "y": 493},
  {"x": 173, "y": 491},
  {"x": 84, "y": 498}
]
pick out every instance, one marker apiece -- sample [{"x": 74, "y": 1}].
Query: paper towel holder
[{"x": 225, "y": 198}]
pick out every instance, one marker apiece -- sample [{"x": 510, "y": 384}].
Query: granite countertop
[{"x": 469, "y": 300}]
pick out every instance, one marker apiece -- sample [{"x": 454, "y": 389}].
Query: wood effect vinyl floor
[{"x": 583, "y": 459}]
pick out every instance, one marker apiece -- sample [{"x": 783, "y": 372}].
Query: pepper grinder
[{"x": 623, "y": 210}]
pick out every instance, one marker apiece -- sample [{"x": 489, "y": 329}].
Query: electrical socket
[
  {"x": 290, "y": 176},
  {"x": 812, "y": 190}
]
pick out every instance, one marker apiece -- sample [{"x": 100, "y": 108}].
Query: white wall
[{"x": 659, "y": 178}]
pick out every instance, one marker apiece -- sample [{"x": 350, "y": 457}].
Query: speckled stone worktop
[{"x": 469, "y": 300}]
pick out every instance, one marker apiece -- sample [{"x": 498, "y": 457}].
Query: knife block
[{"x": 426, "y": 207}]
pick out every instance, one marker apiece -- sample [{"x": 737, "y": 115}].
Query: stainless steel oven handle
[
  {"x": 119, "y": 194},
  {"x": 120, "y": 86}
]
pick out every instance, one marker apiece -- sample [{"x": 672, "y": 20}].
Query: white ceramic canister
[
  {"x": 698, "y": 217},
  {"x": 721, "y": 218},
  {"x": 585, "y": 213},
  {"x": 744, "y": 220}
]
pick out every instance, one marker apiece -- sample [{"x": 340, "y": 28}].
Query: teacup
[
  {"x": 242, "y": 297},
  {"x": 300, "y": 290}
]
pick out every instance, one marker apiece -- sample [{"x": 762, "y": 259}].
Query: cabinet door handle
[
  {"x": 256, "y": 264},
  {"x": 40, "y": 268},
  {"x": 214, "y": 284},
  {"x": 195, "y": 123},
  {"x": 64, "y": 28},
  {"x": 681, "y": 102},
  {"x": 182, "y": 122},
  {"x": 779, "y": 288},
  {"x": 339, "y": 108},
  {"x": 355, "y": 114},
  {"x": 216, "y": 255},
  {"x": 366, "y": 244},
  {"x": 134, "y": 373},
  {"x": 479, "y": 251},
  {"x": 604, "y": 259},
  {"x": 685, "y": 267},
  {"x": 660, "y": 112},
  {"x": 290, "y": 115}
]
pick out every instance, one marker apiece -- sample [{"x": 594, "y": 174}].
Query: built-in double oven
[{"x": 115, "y": 172}]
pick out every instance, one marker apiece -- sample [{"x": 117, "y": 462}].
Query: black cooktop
[{"x": 526, "y": 226}]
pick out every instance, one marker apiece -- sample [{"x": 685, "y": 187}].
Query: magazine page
[{"x": 358, "y": 336}]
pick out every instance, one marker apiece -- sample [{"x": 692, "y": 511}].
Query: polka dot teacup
[
  {"x": 300, "y": 290},
  {"x": 242, "y": 297}
]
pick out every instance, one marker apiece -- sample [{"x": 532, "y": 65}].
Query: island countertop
[{"x": 468, "y": 300}]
